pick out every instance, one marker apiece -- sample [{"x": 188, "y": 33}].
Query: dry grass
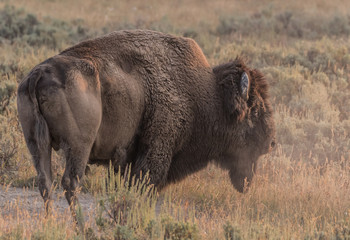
[
  {"x": 301, "y": 190},
  {"x": 287, "y": 200},
  {"x": 182, "y": 13}
]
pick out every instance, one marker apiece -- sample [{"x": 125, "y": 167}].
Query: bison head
[{"x": 250, "y": 119}]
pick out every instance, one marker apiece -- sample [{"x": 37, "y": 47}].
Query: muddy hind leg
[
  {"x": 42, "y": 163},
  {"x": 76, "y": 162}
]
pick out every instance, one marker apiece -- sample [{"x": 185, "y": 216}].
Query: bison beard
[{"x": 147, "y": 99}]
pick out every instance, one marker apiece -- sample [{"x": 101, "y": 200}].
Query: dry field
[{"x": 301, "y": 190}]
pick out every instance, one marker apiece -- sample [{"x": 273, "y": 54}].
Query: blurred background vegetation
[{"x": 302, "y": 47}]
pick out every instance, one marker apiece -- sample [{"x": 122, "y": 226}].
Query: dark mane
[
  {"x": 228, "y": 77},
  {"x": 233, "y": 68},
  {"x": 260, "y": 84}
]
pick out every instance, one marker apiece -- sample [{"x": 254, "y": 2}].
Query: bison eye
[{"x": 245, "y": 86}]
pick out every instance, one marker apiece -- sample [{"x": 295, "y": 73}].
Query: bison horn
[{"x": 245, "y": 86}]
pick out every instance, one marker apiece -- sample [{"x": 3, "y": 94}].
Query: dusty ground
[
  {"x": 30, "y": 200},
  {"x": 19, "y": 203}
]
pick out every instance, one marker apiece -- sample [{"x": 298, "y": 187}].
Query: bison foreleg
[
  {"x": 154, "y": 162},
  {"x": 157, "y": 143},
  {"x": 119, "y": 161}
]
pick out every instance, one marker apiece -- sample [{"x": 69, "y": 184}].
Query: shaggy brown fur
[{"x": 145, "y": 98}]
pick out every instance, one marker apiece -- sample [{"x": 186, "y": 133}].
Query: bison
[{"x": 147, "y": 99}]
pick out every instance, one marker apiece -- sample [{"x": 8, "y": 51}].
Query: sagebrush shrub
[{"x": 17, "y": 26}]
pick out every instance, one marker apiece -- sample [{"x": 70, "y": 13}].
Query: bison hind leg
[
  {"x": 42, "y": 162},
  {"x": 76, "y": 161}
]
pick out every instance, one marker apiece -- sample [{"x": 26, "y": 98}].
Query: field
[{"x": 301, "y": 190}]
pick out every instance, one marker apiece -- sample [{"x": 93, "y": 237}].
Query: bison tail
[{"x": 41, "y": 132}]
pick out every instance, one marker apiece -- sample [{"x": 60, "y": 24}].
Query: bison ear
[{"x": 244, "y": 85}]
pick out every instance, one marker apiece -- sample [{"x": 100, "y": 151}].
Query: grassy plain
[{"x": 301, "y": 190}]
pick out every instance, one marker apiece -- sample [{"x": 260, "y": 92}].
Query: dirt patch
[{"x": 27, "y": 200}]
